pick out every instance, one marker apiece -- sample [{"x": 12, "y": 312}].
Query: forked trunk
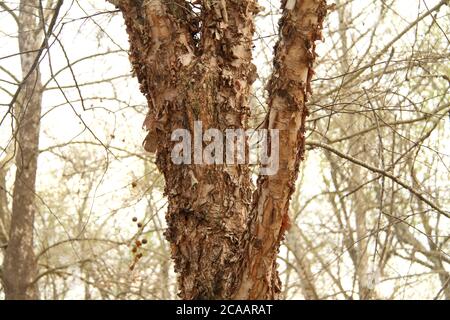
[{"x": 196, "y": 68}]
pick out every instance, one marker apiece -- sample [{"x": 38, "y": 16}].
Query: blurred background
[{"x": 370, "y": 217}]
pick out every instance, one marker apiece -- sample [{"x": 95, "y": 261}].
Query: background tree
[
  {"x": 19, "y": 268},
  {"x": 224, "y": 241}
]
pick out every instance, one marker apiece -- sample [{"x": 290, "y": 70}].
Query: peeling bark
[
  {"x": 198, "y": 68},
  {"x": 288, "y": 93},
  {"x": 20, "y": 267}
]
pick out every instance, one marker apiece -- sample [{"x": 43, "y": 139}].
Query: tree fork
[{"x": 224, "y": 240}]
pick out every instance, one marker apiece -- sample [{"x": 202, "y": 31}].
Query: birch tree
[
  {"x": 193, "y": 61},
  {"x": 19, "y": 264}
]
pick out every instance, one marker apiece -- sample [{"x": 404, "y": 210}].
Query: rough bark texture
[
  {"x": 19, "y": 270},
  {"x": 198, "y": 68},
  {"x": 5, "y": 214},
  {"x": 288, "y": 89}
]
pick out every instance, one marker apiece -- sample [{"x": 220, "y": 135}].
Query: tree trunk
[
  {"x": 20, "y": 265},
  {"x": 300, "y": 27},
  {"x": 5, "y": 213},
  {"x": 224, "y": 240}
]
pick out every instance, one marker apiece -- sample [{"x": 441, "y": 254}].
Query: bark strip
[{"x": 300, "y": 27}]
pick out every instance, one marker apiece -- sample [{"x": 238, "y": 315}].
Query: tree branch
[
  {"x": 382, "y": 172},
  {"x": 10, "y": 11}
]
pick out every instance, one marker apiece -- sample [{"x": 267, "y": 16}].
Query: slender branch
[
  {"x": 380, "y": 171},
  {"x": 389, "y": 45},
  {"x": 427, "y": 116}
]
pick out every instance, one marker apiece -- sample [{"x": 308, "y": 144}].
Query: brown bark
[
  {"x": 191, "y": 68},
  {"x": 20, "y": 268},
  {"x": 299, "y": 249},
  {"x": 288, "y": 92}
]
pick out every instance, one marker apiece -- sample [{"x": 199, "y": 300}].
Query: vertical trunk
[
  {"x": 4, "y": 210},
  {"x": 297, "y": 246},
  {"x": 435, "y": 253},
  {"x": 300, "y": 27},
  {"x": 20, "y": 265},
  {"x": 365, "y": 284},
  {"x": 198, "y": 68},
  {"x": 360, "y": 254},
  {"x": 185, "y": 81}
]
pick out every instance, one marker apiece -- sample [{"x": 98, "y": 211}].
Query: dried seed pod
[{"x": 135, "y": 219}]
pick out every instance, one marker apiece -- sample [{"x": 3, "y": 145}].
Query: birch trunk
[
  {"x": 224, "y": 238},
  {"x": 20, "y": 267}
]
